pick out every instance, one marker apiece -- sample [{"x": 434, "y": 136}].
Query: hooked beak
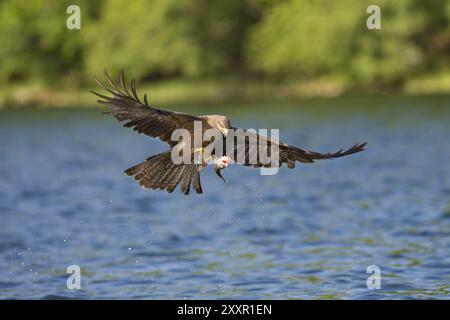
[{"x": 224, "y": 131}]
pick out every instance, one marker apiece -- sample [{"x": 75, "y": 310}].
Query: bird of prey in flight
[{"x": 160, "y": 171}]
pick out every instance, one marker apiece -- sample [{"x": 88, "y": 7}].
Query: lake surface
[{"x": 308, "y": 233}]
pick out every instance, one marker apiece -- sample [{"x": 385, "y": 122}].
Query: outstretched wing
[
  {"x": 139, "y": 115},
  {"x": 247, "y": 151},
  {"x": 290, "y": 154}
]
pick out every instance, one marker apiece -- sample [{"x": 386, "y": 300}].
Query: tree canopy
[{"x": 270, "y": 39}]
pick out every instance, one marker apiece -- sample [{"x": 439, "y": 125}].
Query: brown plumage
[{"x": 159, "y": 171}]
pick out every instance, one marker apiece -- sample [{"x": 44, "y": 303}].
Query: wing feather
[
  {"x": 176, "y": 179},
  {"x": 186, "y": 180},
  {"x": 196, "y": 181},
  {"x": 287, "y": 154},
  {"x": 143, "y": 118}
]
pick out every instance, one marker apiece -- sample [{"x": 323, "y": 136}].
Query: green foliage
[
  {"x": 35, "y": 43},
  {"x": 141, "y": 38},
  {"x": 305, "y": 37},
  {"x": 388, "y": 55},
  {"x": 272, "y": 39},
  {"x": 166, "y": 38},
  {"x": 311, "y": 38}
]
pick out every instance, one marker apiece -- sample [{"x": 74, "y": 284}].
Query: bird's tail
[
  {"x": 310, "y": 156},
  {"x": 159, "y": 172}
]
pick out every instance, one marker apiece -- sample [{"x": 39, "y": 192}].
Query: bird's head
[{"x": 220, "y": 122}]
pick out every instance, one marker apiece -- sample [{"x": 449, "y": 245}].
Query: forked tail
[{"x": 159, "y": 172}]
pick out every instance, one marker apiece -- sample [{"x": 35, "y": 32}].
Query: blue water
[{"x": 308, "y": 233}]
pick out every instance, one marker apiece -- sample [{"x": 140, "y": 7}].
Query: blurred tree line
[{"x": 255, "y": 39}]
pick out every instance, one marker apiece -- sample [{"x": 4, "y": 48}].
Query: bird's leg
[
  {"x": 218, "y": 171},
  {"x": 198, "y": 155}
]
